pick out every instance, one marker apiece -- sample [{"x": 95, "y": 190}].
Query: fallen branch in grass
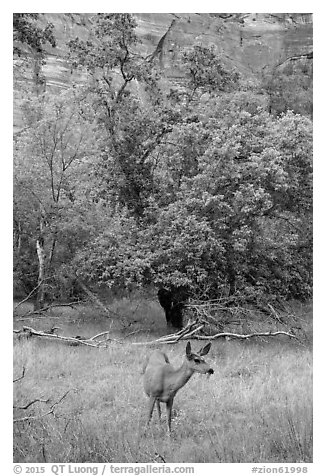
[
  {"x": 46, "y": 308},
  {"x": 32, "y": 332},
  {"x": 21, "y": 377},
  {"x": 275, "y": 315},
  {"x": 32, "y": 403},
  {"x": 50, "y": 411},
  {"x": 99, "y": 335},
  {"x": 29, "y": 331},
  {"x": 193, "y": 333},
  {"x": 245, "y": 336},
  {"x": 185, "y": 333},
  {"x": 29, "y": 317}
]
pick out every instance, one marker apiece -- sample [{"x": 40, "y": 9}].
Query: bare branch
[
  {"x": 193, "y": 333},
  {"x": 30, "y": 294},
  {"x": 32, "y": 331},
  {"x": 185, "y": 333},
  {"x": 274, "y": 314},
  {"x": 245, "y": 336},
  {"x": 32, "y": 403},
  {"x": 73, "y": 340},
  {"x": 51, "y": 410},
  {"x": 99, "y": 335},
  {"x": 22, "y": 376},
  {"x": 50, "y": 306}
]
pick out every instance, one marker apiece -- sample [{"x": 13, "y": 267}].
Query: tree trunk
[
  {"x": 232, "y": 281},
  {"x": 173, "y": 302},
  {"x": 38, "y": 76},
  {"x": 18, "y": 238},
  {"x": 39, "y": 303},
  {"x": 54, "y": 241}
]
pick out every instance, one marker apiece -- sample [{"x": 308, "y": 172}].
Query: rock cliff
[{"x": 249, "y": 42}]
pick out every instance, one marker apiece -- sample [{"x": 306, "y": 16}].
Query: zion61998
[{"x": 280, "y": 469}]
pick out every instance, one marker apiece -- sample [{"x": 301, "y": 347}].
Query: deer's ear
[
  {"x": 205, "y": 349},
  {"x": 188, "y": 350}
]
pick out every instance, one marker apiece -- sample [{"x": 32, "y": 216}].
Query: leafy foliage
[
  {"x": 137, "y": 185},
  {"x": 29, "y": 42},
  {"x": 28, "y": 33},
  {"x": 240, "y": 223},
  {"x": 290, "y": 87},
  {"x": 206, "y": 72}
]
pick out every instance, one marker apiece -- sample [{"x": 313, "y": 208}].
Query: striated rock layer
[{"x": 249, "y": 42}]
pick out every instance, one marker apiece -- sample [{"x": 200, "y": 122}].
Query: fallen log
[
  {"x": 191, "y": 331},
  {"x": 90, "y": 342},
  {"x": 245, "y": 336},
  {"x": 173, "y": 339}
]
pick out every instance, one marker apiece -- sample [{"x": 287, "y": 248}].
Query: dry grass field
[{"x": 257, "y": 407}]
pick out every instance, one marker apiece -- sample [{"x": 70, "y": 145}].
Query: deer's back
[{"x": 156, "y": 370}]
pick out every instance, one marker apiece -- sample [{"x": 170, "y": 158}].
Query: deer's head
[{"x": 196, "y": 361}]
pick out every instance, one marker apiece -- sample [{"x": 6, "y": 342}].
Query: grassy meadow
[{"x": 257, "y": 407}]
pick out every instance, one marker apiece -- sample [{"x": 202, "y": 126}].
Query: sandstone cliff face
[{"x": 249, "y": 42}]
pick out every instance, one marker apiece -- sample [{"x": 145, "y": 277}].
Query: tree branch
[
  {"x": 73, "y": 340},
  {"x": 245, "y": 336},
  {"x": 193, "y": 333},
  {"x": 32, "y": 403},
  {"x": 30, "y": 294},
  {"x": 22, "y": 376},
  {"x": 50, "y": 306},
  {"x": 16, "y": 420}
]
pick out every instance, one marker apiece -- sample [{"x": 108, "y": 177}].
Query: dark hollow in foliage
[{"x": 173, "y": 301}]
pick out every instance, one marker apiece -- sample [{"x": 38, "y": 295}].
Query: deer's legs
[
  {"x": 169, "y": 405},
  {"x": 158, "y": 406},
  {"x": 150, "y": 409}
]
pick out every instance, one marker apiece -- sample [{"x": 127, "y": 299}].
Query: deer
[{"x": 162, "y": 381}]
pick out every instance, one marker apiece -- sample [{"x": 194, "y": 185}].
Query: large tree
[
  {"x": 129, "y": 106},
  {"x": 237, "y": 222}
]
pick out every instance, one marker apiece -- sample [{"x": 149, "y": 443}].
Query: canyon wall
[{"x": 250, "y": 42}]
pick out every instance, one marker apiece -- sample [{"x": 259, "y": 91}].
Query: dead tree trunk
[
  {"x": 41, "y": 254},
  {"x": 40, "y": 296}
]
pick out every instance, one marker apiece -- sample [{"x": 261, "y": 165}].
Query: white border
[{"x": 317, "y": 9}]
